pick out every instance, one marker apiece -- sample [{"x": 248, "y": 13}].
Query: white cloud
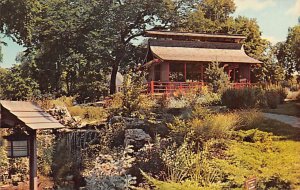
[
  {"x": 253, "y": 4},
  {"x": 295, "y": 9}
]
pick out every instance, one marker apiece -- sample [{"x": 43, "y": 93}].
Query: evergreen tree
[{"x": 217, "y": 79}]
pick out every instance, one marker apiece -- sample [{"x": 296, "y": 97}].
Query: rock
[
  {"x": 136, "y": 137},
  {"x": 62, "y": 114},
  {"x": 69, "y": 178},
  {"x": 116, "y": 119}
]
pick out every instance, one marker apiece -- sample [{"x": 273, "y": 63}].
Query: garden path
[{"x": 291, "y": 120}]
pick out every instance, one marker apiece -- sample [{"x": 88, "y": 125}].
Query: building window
[
  {"x": 177, "y": 72},
  {"x": 193, "y": 72}
]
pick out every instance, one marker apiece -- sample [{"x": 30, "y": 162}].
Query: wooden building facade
[{"x": 178, "y": 60}]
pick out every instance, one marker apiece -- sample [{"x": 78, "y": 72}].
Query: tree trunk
[{"x": 113, "y": 78}]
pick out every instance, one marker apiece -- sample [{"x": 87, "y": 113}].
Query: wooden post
[
  {"x": 249, "y": 74},
  {"x": 234, "y": 74},
  {"x": 33, "y": 181},
  {"x": 202, "y": 74},
  {"x": 184, "y": 72},
  {"x": 152, "y": 87}
]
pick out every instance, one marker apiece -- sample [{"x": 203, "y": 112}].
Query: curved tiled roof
[{"x": 196, "y": 51}]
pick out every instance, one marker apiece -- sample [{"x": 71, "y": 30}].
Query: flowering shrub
[{"x": 110, "y": 172}]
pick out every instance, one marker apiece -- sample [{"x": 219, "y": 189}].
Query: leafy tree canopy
[
  {"x": 288, "y": 52},
  {"x": 18, "y": 18}
]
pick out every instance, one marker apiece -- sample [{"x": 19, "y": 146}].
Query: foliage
[
  {"x": 216, "y": 77},
  {"x": 3, "y": 158},
  {"x": 19, "y": 167},
  {"x": 183, "y": 163},
  {"x": 110, "y": 171},
  {"x": 208, "y": 98},
  {"x": 89, "y": 114},
  {"x": 45, "y": 153},
  {"x": 132, "y": 101},
  {"x": 288, "y": 52},
  {"x": 255, "y": 135},
  {"x": 272, "y": 98},
  {"x": 18, "y": 18},
  {"x": 203, "y": 97},
  {"x": 148, "y": 159},
  {"x": 72, "y": 41},
  {"x": 16, "y": 86},
  {"x": 244, "y": 98},
  {"x": 273, "y": 71},
  {"x": 260, "y": 160},
  {"x": 219, "y": 126},
  {"x": 254, "y": 97},
  {"x": 184, "y": 185},
  {"x": 250, "y": 119}
]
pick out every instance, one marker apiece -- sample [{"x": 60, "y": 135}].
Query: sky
[{"x": 274, "y": 18}]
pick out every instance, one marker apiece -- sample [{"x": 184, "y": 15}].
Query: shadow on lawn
[
  {"x": 282, "y": 130},
  {"x": 291, "y": 108}
]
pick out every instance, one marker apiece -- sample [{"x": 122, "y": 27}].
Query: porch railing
[{"x": 156, "y": 87}]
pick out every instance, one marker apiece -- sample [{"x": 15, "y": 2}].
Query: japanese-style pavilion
[{"x": 178, "y": 60}]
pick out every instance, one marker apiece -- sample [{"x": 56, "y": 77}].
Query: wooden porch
[{"x": 157, "y": 87}]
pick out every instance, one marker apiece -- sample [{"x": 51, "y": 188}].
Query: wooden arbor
[{"x": 31, "y": 117}]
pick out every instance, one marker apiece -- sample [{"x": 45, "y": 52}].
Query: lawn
[
  {"x": 291, "y": 108},
  {"x": 278, "y": 157}
]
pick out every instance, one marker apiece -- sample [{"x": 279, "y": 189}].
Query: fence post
[{"x": 152, "y": 87}]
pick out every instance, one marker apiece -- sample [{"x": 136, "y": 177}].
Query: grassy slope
[
  {"x": 279, "y": 157},
  {"x": 289, "y": 108}
]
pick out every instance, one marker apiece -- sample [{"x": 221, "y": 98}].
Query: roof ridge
[{"x": 194, "y": 44}]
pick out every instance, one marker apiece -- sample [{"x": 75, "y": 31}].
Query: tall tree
[
  {"x": 126, "y": 20},
  {"x": 288, "y": 52},
  {"x": 217, "y": 10},
  {"x": 16, "y": 86},
  {"x": 103, "y": 32},
  {"x": 214, "y": 16},
  {"x": 18, "y": 18}
]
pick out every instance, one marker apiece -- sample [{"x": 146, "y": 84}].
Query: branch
[{"x": 134, "y": 36}]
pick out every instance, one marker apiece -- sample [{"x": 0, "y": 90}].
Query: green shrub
[
  {"x": 273, "y": 98},
  {"x": 89, "y": 113},
  {"x": 255, "y": 135},
  {"x": 218, "y": 126},
  {"x": 4, "y": 164},
  {"x": 217, "y": 79},
  {"x": 275, "y": 183},
  {"x": 281, "y": 92},
  {"x": 45, "y": 153},
  {"x": 243, "y": 98},
  {"x": 250, "y": 119},
  {"x": 253, "y": 97},
  {"x": 206, "y": 97},
  {"x": 187, "y": 163},
  {"x": 132, "y": 102},
  {"x": 184, "y": 185}
]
